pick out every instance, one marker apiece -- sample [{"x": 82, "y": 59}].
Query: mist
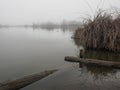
[{"x": 14, "y": 12}]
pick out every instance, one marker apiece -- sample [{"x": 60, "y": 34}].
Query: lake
[{"x": 24, "y": 51}]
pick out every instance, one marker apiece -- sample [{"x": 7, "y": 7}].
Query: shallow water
[{"x": 24, "y": 51}]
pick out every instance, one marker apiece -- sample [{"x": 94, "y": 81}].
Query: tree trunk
[
  {"x": 20, "y": 83},
  {"x": 93, "y": 61}
]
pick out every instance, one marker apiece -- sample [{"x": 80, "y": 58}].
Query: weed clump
[{"x": 101, "y": 32}]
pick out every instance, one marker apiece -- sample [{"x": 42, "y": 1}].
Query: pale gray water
[{"x": 24, "y": 51}]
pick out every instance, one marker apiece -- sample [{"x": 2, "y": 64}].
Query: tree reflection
[
  {"x": 97, "y": 54},
  {"x": 98, "y": 71},
  {"x": 94, "y": 70}
]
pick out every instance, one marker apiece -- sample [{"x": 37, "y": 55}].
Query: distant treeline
[
  {"x": 1, "y": 26},
  {"x": 49, "y": 25}
]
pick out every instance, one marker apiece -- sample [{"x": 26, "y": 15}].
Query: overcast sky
[{"x": 28, "y": 11}]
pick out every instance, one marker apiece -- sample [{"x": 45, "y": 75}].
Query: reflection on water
[
  {"x": 103, "y": 55},
  {"x": 97, "y": 71},
  {"x": 74, "y": 78},
  {"x": 93, "y": 54},
  {"x": 24, "y": 51},
  {"x": 87, "y": 77}
]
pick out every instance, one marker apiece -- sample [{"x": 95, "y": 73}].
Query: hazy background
[{"x": 29, "y": 11}]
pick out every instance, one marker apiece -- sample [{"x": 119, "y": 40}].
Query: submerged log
[
  {"x": 27, "y": 80},
  {"x": 93, "y": 61}
]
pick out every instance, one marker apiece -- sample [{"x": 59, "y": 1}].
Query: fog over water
[
  {"x": 29, "y": 11},
  {"x": 33, "y": 49}
]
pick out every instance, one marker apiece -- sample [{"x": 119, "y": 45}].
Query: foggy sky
[{"x": 29, "y": 11}]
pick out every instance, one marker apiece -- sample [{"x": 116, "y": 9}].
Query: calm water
[{"x": 24, "y": 51}]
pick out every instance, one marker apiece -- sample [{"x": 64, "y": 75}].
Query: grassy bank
[{"x": 101, "y": 32}]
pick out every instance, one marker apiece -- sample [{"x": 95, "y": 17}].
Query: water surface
[{"x": 24, "y": 51}]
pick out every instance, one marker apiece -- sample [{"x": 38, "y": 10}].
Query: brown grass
[{"x": 101, "y": 32}]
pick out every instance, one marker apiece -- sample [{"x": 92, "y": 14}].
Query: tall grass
[{"x": 101, "y": 32}]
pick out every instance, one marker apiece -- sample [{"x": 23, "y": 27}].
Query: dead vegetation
[{"x": 101, "y": 32}]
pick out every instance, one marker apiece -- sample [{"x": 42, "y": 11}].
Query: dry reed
[{"x": 101, "y": 32}]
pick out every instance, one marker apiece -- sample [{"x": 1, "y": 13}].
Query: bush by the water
[{"x": 101, "y": 32}]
